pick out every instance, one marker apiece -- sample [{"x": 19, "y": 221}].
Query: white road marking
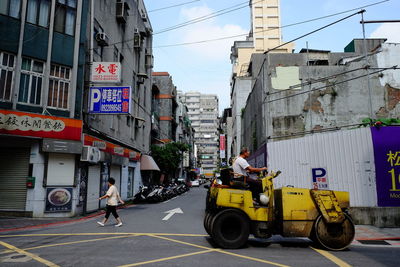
[{"x": 172, "y": 212}]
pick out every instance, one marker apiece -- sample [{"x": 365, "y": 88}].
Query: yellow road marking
[
  {"x": 71, "y": 234},
  {"x": 331, "y": 257},
  {"x": 77, "y": 242},
  {"x": 33, "y": 256},
  {"x": 220, "y": 251},
  {"x": 168, "y": 258},
  {"x": 178, "y": 241},
  {"x": 251, "y": 258}
]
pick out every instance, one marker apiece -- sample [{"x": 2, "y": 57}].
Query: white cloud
[
  {"x": 391, "y": 31},
  {"x": 207, "y": 30}
]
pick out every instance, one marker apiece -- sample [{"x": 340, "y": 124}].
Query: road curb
[{"x": 38, "y": 226}]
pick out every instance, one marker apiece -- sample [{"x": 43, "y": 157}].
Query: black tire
[
  {"x": 334, "y": 236},
  {"x": 230, "y": 229},
  {"x": 206, "y": 222}
]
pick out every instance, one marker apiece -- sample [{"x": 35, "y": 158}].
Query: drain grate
[{"x": 373, "y": 242}]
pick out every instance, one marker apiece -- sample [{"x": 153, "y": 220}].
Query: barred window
[
  {"x": 7, "y": 64},
  {"x": 30, "y": 90},
  {"x": 60, "y": 82}
]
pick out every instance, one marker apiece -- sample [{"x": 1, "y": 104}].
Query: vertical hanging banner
[
  {"x": 222, "y": 146},
  {"x": 110, "y": 100},
  {"x": 386, "y": 144}
]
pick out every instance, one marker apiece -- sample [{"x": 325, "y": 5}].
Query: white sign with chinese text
[{"x": 106, "y": 72}]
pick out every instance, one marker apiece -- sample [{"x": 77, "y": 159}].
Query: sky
[{"x": 205, "y": 67}]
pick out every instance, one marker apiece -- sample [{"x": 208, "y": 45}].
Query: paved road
[{"x": 147, "y": 240}]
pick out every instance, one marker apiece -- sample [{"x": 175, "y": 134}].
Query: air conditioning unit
[
  {"x": 90, "y": 154},
  {"x": 121, "y": 11},
  {"x": 144, "y": 16},
  {"x": 102, "y": 39}
]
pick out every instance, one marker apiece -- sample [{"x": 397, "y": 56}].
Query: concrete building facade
[
  {"x": 63, "y": 154},
  {"x": 265, "y": 34},
  {"x": 167, "y": 100},
  {"x": 203, "y": 113},
  {"x": 297, "y": 94},
  {"x": 41, "y": 89}
]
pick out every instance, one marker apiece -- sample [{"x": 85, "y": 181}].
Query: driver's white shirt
[{"x": 240, "y": 165}]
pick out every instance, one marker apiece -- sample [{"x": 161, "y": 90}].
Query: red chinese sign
[
  {"x": 111, "y": 148},
  {"x": 36, "y": 125},
  {"x": 106, "y": 72}
]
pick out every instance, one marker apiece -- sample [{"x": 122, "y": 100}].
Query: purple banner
[
  {"x": 258, "y": 159},
  {"x": 386, "y": 141}
]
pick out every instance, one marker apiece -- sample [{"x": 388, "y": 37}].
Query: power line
[
  {"x": 316, "y": 81},
  {"x": 208, "y": 16},
  {"x": 181, "y": 4},
  {"x": 335, "y": 83},
  {"x": 285, "y": 26},
  {"x": 314, "y": 31}
]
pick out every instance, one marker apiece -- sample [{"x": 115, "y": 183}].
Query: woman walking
[{"x": 113, "y": 197}]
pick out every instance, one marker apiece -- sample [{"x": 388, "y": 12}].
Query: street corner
[{"x": 367, "y": 235}]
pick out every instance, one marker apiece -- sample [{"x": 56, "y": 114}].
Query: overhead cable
[
  {"x": 271, "y": 29},
  {"x": 181, "y": 4},
  {"x": 330, "y": 85}
]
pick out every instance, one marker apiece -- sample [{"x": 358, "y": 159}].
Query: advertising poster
[
  {"x": 58, "y": 199},
  {"x": 386, "y": 144}
]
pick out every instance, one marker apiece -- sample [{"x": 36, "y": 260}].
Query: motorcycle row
[{"x": 158, "y": 193}]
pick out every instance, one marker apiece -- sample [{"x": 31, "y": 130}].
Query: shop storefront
[
  {"x": 38, "y": 163},
  {"x": 108, "y": 160}
]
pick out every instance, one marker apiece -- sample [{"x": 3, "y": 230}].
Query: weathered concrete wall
[
  {"x": 338, "y": 97},
  {"x": 377, "y": 216},
  {"x": 240, "y": 92}
]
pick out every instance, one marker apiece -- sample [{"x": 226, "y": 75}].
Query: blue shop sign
[{"x": 110, "y": 100}]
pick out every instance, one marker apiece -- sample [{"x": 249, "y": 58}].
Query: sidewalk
[{"x": 8, "y": 224}]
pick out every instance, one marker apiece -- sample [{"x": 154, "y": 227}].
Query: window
[
  {"x": 7, "y": 62},
  {"x": 59, "y": 86},
  {"x": 30, "y": 89},
  {"x": 64, "y": 20},
  {"x": 38, "y": 12},
  {"x": 10, "y": 8}
]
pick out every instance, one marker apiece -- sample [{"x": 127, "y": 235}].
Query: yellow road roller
[{"x": 232, "y": 214}]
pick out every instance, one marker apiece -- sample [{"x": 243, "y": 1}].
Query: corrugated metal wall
[{"x": 347, "y": 155}]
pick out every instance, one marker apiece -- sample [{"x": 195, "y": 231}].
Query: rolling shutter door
[{"x": 14, "y": 168}]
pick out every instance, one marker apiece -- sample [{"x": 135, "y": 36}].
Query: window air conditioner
[
  {"x": 144, "y": 16},
  {"x": 121, "y": 11},
  {"x": 90, "y": 154},
  {"x": 102, "y": 39}
]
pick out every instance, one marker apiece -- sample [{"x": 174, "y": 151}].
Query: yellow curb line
[
  {"x": 77, "y": 242},
  {"x": 74, "y": 234},
  {"x": 332, "y": 258},
  {"x": 33, "y": 256}
]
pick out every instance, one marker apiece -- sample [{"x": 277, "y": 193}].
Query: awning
[{"x": 147, "y": 163}]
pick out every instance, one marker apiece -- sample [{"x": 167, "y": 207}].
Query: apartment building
[
  {"x": 57, "y": 152},
  {"x": 265, "y": 34},
  {"x": 203, "y": 113}
]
